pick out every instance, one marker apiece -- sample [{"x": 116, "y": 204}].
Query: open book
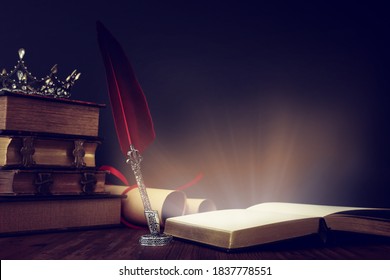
[{"x": 270, "y": 222}]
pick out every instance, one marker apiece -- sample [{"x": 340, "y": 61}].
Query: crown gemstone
[
  {"x": 21, "y": 52},
  {"x": 20, "y": 75},
  {"x": 54, "y": 69}
]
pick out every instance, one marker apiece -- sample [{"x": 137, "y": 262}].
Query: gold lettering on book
[
  {"x": 88, "y": 183},
  {"x": 79, "y": 154},
  {"x": 43, "y": 183},
  {"x": 27, "y": 151}
]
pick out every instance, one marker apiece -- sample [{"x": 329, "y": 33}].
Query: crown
[{"x": 20, "y": 80}]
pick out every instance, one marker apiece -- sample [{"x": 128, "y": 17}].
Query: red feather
[{"x": 130, "y": 110}]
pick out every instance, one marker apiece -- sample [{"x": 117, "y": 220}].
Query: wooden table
[{"x": 122, "y": 243}]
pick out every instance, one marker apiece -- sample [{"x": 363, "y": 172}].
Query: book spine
[
  {"x": 35, "y": 152},
  {"x": 47, "y": 182},
  {"x": 25, "y": 215},
  {"x": 47, "y": 116}
]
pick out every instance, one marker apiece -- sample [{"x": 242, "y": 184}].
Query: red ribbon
[{"x": 123, "y": 179}]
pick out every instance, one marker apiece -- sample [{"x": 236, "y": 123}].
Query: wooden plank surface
[{"x": 122, "y": 243}]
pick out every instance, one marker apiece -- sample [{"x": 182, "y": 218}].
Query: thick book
[
  {"x": 26, "y": 214},
  {"x": 33, "y": 151},
  {"x": 51, "y": 182},
  {"x": 270, "y": 222},
  {"x": 22, "y": 112}
]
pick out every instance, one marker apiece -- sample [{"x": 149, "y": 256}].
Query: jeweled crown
[{"x": 20, "y": 80}]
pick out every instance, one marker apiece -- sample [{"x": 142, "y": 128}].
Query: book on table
[
  {"x": 19, "y": 149},
  {"x": 48, "y": 145},
  {"x": 51, "y": 181},
  {"x": 48, "y": 176},
  {"x": 271, "y": 222},
  {"x": 28, "y": 214},
  {"x": 34, "y": 113}
]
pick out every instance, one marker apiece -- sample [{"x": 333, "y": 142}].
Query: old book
[
  {"x": 30, "y": 151},
  {"x": 22, "y": 112},
  {"x": 46, "y": 181},
  {"x": 271, "y": 222},
  {"x": 25, "y": 214}
]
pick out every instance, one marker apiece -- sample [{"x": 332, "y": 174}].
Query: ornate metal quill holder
[{"x": 155, "y": 238}]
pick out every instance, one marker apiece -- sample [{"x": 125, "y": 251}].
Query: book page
[
  {"x": 235, "y": 219},
  {"x": 309, "y": 210}
]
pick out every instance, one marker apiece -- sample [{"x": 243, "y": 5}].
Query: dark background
[{"x": 280, "y": 101}]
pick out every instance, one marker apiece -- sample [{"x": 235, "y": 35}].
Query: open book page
[
  {"x": 354, "y": 219},
  {"x": 309, "y": 210},
  {"x": 267, "y": 222},
  {"x": 237, "y": 228},
  {"x": 230, "y": 220}
]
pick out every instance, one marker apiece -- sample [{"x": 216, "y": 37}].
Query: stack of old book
[{"x": 48, "y": 176}]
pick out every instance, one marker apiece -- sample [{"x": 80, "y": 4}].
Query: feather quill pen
[{"x": 133, "y": 122}]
